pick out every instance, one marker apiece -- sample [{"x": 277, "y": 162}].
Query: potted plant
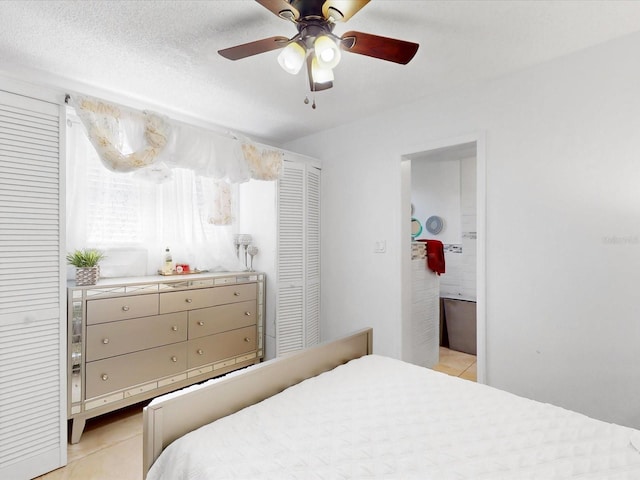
[{"x": 86, "y": 263}]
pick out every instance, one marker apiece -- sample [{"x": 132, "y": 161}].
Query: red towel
[{"x": 435, "y": 256}]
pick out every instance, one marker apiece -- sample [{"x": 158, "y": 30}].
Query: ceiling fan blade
[
  {"x": 384, "y": 48},
  {"x": 342, "y": 10},
  {"x": 281, "y": 8},
  {"x": 254, "y": 48}
]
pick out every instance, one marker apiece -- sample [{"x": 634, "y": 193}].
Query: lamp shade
[
  {"x": 327, "y": 52},
  {"x": 320, "y": 74},
  {"x": 292, "y": 57}
]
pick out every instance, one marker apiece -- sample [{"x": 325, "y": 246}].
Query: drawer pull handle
[
  {"x": 174, "y": 328},
  {"x": 248, "y": 314},
  {"x": 200, "y": 351},
  {"x": 125, "y": 308},
  {"x": 105, "y": 341},
  {"x": 188, "y": 300},
  {"x": 201, "y": 323},
  {"x": 174, "y": 359},
  {"x": 104, "y": 377},
  {"x": 247, "y": 339},
  {"x": 236, "y": 294}
]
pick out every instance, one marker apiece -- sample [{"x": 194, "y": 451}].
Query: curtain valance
[{"x": 150, "y": 144}]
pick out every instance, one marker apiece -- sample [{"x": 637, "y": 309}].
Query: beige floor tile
[
  {"x": 107, "y": 430},
  {"x": 122, "y": 461},
  {"x": 449, "y": 356},
  {"x": 470, "y": 373},
  {"x": 448, "y": 369},
  {"x": 457, "y": 364}
]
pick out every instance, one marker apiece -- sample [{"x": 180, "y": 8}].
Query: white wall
[
  {"x": 562, "y": 224},
  {"x": 257, "y": 216},
  {"x": 435, "y": 190}
]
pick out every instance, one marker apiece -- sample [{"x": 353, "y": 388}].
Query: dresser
[{"x": 132, "y": 339}]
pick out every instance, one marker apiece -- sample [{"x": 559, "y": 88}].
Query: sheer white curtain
[{"x": 134, "y": 219}]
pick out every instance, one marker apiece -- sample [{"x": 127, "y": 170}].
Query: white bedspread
[{"x": 379, "y": 418}]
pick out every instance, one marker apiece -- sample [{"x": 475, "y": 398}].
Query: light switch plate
[{"x": 380, "y": 246}]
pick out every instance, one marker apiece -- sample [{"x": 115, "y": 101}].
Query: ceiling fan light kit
[
  {"x": 326, "y": 51},
  {"x": 292, "y": 57},
  {"x": 319, "y": 73},
  {"x": 315, "y": 42}
]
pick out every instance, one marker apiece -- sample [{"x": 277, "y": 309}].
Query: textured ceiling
[{"x": 163, "y": 53}]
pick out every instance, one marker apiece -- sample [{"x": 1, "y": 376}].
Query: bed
[{"x": 338, "y": 411}]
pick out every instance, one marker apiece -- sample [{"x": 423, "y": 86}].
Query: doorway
[{"x": 466, "y": 155}]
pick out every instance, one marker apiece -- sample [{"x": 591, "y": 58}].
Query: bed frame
[{"x": 165, "y": 420}]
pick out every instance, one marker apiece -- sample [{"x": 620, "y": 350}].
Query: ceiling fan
[{"x": 316, "y": 45}]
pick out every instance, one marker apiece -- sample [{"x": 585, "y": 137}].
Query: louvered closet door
[
  {"x": 312, "y": 257},
  {"x": 290, "y": 293},
  {"x": 298, "y": 291},
  {"x": 32, "y": 367}
]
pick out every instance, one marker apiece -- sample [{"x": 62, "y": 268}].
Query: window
[{"x": 133, "y": 219}]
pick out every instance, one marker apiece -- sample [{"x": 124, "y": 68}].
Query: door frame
[{"x": 481, "y": 215}]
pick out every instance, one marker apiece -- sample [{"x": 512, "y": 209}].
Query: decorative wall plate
[
  {"x": 434, "y": 224},
  {"x": 416, "y": 227}
]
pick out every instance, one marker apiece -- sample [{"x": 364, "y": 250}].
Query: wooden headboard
[{"x": 167, "y": 419}]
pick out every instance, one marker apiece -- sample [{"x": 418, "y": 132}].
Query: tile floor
[
  {"x": 111, "y": 445},
  {"x": 458, "y": 364}
]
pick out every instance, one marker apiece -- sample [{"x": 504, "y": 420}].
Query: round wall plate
[
  {"x": 416, "y": 227},
  {"x": 434, "y": 224}
]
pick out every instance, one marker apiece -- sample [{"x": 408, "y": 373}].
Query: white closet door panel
[
  {"x": 312, "y": 314},
  {"x": 289, "y": 321},
  {"x": 16, "y": 130},
  {"x": 32, "y": 367},
  {"x": 313, "y": 223},
  {"x": 28, "y": 167},
  {"x": 312, "y": 255},
  {"x": 298, "y": 266},
  {"x": 291, "y": 225},
  {"x": 29, "y": 116}
]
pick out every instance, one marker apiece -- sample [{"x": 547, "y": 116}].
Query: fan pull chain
[{"x": 306, "y": 102}]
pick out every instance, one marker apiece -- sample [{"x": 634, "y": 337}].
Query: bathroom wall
[{"x": 443, "y": 183}]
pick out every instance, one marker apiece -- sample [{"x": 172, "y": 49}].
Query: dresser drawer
[
  {"x": 121, "y": 308},
  {"x": 185, "y": 300},
  {"x": 206, "y": 297},
  {"x": 208, "y": 321},
  {"x": 235, "y": 293},
  {"x": 111, "y": 374},
  {"x": 223, "y": 345},
  {"x": 116, "y": 338}
]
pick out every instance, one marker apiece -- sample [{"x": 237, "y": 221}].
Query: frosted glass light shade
[
  {"x": 292, "y": 57},
  {"x": 327, "y": 52},
  {"x": 319, "y": 73}
]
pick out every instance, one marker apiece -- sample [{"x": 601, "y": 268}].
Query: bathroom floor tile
[{"x": 458, "y": 364}]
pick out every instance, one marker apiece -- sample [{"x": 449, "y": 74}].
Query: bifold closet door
[
  {"x": 298, "y": 263},
  {"x": 32, "y": 326},
  {"x": 312, "y": 256}
]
